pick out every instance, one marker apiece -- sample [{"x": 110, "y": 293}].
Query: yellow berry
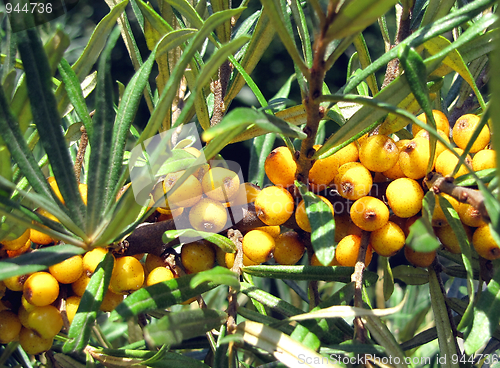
[
  {"x": 301, "y": 215},
  {"x": 315, "y": 261},
  {"x": 289, "y": 248},
  {"x": 197, "y": 256},
  {"x": 248, "y": 262},
  {"x": 32, "y": 343},
  {"x": 440, "y": 147},
  {"x": 15, "y": 283},
  {"x": 38, "y": 237},
  {"x": 387, "y": 240},
  {"x": 208, "y": 215},
  {"x": 186, "y": 195},
  {"x": 274, "y": 231},
  {"x": 72, "y": 304},
  {"x": 484, "y": 243},
  {"x": 23, "y": 314},
  {"x": 127, "y": 276},
  {"x": 111, "y": 301},
  {"x": 369, "y": 213},
  {"x": 69, "y": 270},
  {"x": 378, "y": 153},
  {"x": 46, "y": 321},
  {"x": 438, "y": 217},
  {"x": 440, "y": 119},
  {"x": 347, "y": 251},
  {"x": 280, "y": 167},
  {"x": 470, "y": 216},
  {"x": 220, "y": 184},
  {"x": 414, "y": 158},
  {"x": 80, "y": 285},
  {"x": 405, "y": 197},
  {"x": 446, "y": 162},
  {"x": 24, "y": 249},
  {"x": 464, "y": 128},
  {"x": 395, "y": 172},
  {"x": 419, "y": 259},
  {"x": 10, "y": 326},
  {"x": 82, "y": 188},
  {"x": 40, "y": 289},
  {"x": 349, "y": 153},
  {"x": 16, "y": 243},
  {"x": 274, "y": 205},
  {"x": 258, "y": 246},
  {"x": 323, "y": 171},
  {"x": 159, "y": 274},
  {"x": 246, "y": 194},
  {"x": 153, "y": 261},
  {"x": 484, "y": 159},
  {"x": 229, "y": 259},
  {"x": 92, "y": 259},
  {"x": 353, "y": 180},
  {"x": 448, "y": 238}
]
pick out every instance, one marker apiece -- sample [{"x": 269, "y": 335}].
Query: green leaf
[
  {"x": 388, "y": 277},
  {"x": 318, "y": 273},
  {"x": 322, "y": 225},
  {"x": 160, "y": 296},
  {"x": 486, "y": 316},
  {"x": 355, "y": 16},
  {"x": 178, "y": 326},
  {"x": 75, "y": 94},
  {"x": 79, "y": 332},
  {"x": 446, "y": 339},
  {"x": 46, "y": 117},
  {"x": 221, "y": 241},
  {"x": 187, "y": 10},
  {"x": 421, "y": 237},
  {"x": 411, "y": 275},
  {"x": 261, "y": 148},
  {"x": 100, "y": 141},
  {"x": 218, "y": 275},
  {"x": 37, "y": 260}
]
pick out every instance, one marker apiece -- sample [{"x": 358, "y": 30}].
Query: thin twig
[
  {"x": 357, "y": 278},
  {"x": 84, "y": 140}
]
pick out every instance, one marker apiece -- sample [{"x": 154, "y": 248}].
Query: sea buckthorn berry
[
  {"x": 323, "y": 171},
  {"x": 414, "y": 157},
  {"x": 72, "y": 304},
  {"x": 440, "y": 147},
  {"x": 81, "y": 187},
  {"x": 229, "y": 260},
  {"x": 80, "y": 285},
  {"x": 69, "y": 270},
  {"x": 369, "y": 213},
  {"x": 15, "y": 283},
  {"x": 10, "y": 326},
  {"x": 301, "y": 215},
  {"x": 169, "y": 214},
  {"x": 24, "y": 249},
  {"x": 16, "y": 243},
  {"x": 23, "y": 314},
  {"x": 40, "y": 289},
  {"x": 464, "y": 128},
  {"x": 248, "y": 262},
  {"x": 32, "y": 343},
  {"x": 484, "y": 159},
  {"x": 38, "y": 237},
  {"x": 419, "y": 259},
  {"x": 258, "y": 246},
  {"x": 387, "y": 240},
  {"x": 405, "y": 197},
  {"x": 197, "y": 256},
  {"x": 111, "y": 301},
  {"x": 274, "y": 231},
  {"x": 274, "y": 205},
  {"x": 208, "y": 215},
  {"x": 470, "y": 216},
  {"x": 315, "y": 262},
  {"x": 187, "y": 195},
  {"x": 395, "y": 172},
  {"x": 127, "y": 276},
  {"x": 92, "y": 259},
  {"x": 159, "y": 274},
  {"x": 46, "y": 321},
  {"x": 153, "y": 262},
  {"x": 220, "y": 184},
  {"x": 29, "y": 307},
  {"x": 409, "y": 221},
  {"x": 353, "y": 181},
  {"x": 446, "y": 162},
  {"x": 438, "y": 217},
  {"x": 220, "y": 256},
  {"x": 484, "y": 243},
  {"x": 347, "y": 251},
  {"x": 378, "y": 153},
  {"x": 448, "y": 238},
  {"x": 246, "y": 194},
  {"x": 349, "y": 153},
  {"x": 289, "y": 248},
  {"x": 440, "y": 119},
  {"x": 280, "y": 167},
  {"x": 342, "y": 224}
]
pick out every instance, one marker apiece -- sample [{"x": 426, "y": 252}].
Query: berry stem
[{"x": 357, "y": 278}]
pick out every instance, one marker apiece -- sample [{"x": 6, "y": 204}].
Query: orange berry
[
  {"x": 280, "y": 167},
  {"x": 419, "y": 259},
  {"x": 484, "y": 243},
  {"x": 353, "y": 180},
  {"x": 301, "y": 215},
  {"x": 446, "y": 162},
  {"x": 347, "y": 251},
  {"x": 405, "y": 197},
  {"x": 464, "y": 128},
  {"x": 40, "y": 289},
  {"x": 258, "y": 246},
  {"x": 440, "y": 119},
  {"x": 387, "y": 240},
  {"x": 289, "y": 248},
  {"x": 220, "y": 184},
  {"x": 274, "y": 205},
  {"x": 369, "y": 213},
  {"x": 197, "y": 256},
  {"x": 378, "y": 153}
]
